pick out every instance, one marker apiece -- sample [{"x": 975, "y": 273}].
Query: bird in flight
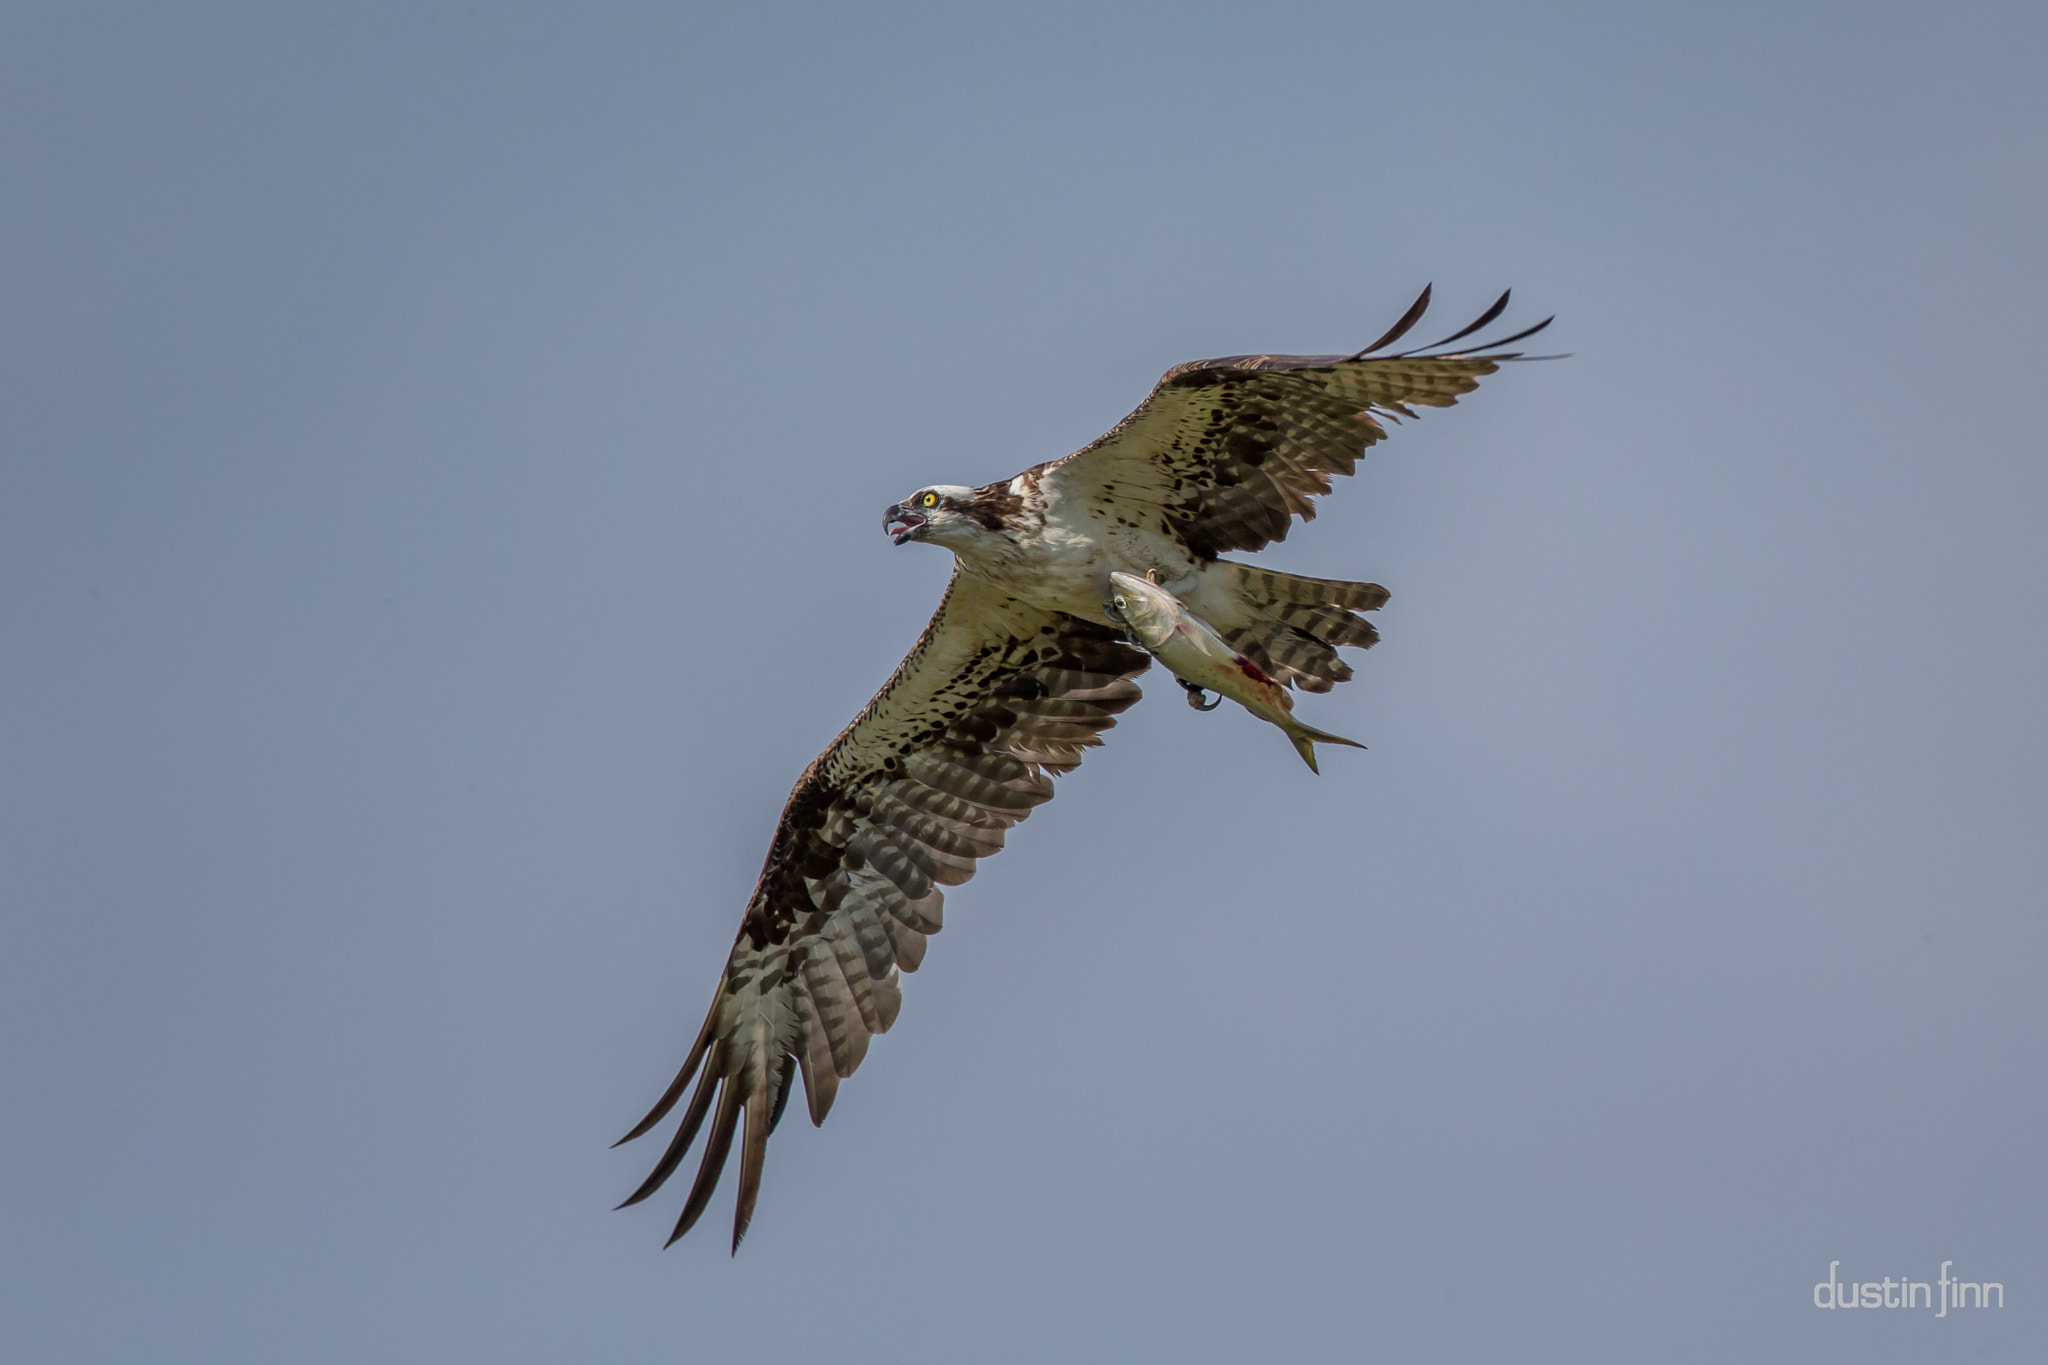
[{"x": 1018, "y": 672}]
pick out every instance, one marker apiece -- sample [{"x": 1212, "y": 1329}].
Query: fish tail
[{"x": 1306, "y": 737}]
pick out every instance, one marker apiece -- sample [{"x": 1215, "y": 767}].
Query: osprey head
[{"x": 942, "y": 513}]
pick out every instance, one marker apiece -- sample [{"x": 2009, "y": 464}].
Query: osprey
[{"x": 1017, "y": 673}]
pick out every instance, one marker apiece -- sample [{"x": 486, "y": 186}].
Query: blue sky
[{"x": 441, "y": 466}]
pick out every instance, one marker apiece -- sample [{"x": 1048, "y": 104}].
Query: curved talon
[{"x": 1195, "y": 696}]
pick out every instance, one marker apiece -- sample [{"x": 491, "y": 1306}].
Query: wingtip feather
[
  {"x": 716, "y": 1147},
  {"x": 679, "y": 1145},
  {"x": 1499, "y": 306},
  {"x": 675, "y": 1087},
  {"x": 1519, "y": 336},
  {"x": 1400, "y": 329},
  {"x": 753, "y": 1150}
]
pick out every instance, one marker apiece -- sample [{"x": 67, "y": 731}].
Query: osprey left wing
[{"x": 955, "y": 748}]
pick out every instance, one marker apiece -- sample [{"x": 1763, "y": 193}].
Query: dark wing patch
[
  {"x": 1226, "y": 453},
  {"x": 957, "y": 747}
]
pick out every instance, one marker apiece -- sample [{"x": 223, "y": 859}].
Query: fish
[{"x": 1194, "y": 653}]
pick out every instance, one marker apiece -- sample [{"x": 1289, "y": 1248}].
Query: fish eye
[
  {"x": 929, "y": 500},
  {"x": 1121, "y": 604}
]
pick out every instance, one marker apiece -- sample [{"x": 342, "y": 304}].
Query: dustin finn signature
[{"x": 1833, "y": 1293}]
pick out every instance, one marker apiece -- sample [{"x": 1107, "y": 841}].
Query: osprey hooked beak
[{"x": 899, "y": 523}]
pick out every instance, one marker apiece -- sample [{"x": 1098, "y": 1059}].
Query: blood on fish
[{"x": 1251, "y": 670}]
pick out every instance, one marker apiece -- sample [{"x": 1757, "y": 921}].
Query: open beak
[{"x": 899, "y": 523}]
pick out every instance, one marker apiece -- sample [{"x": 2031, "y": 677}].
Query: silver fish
[{"x": 1201, "y": 658}]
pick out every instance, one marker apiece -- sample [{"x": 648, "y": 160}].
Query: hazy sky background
[{"x": 442, "y": 455}]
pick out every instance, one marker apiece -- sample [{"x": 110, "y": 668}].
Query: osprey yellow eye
[{"x": 929, "y": 500}]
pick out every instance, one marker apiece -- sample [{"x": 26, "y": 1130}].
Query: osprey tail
[{"x": 1298, "y": 622}]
